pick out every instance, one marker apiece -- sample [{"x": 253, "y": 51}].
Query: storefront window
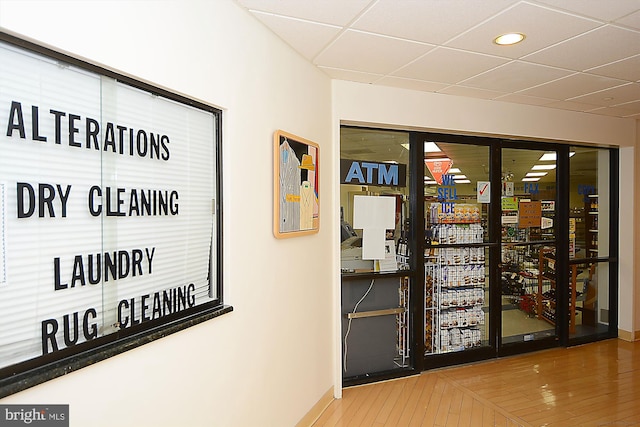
[
  {"x": 375, "y": 253},
  {"x": 502, "y": 246}
]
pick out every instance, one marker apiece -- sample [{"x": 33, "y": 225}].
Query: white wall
[
  {"x": 270, "y": 360},
  {"x": 629, "y": 294},
  {"x": 406, "y": 109}
]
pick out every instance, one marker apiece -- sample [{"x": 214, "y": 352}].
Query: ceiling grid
[{"x": 578, "y": 55}]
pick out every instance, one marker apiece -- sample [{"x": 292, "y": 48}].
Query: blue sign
[{"x": 373, "y": 173}]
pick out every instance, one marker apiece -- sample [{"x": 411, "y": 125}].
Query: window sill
[{"x": 38, "y": 375}]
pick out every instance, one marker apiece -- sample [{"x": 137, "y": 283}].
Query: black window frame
[{"x": 29, "y": 373}]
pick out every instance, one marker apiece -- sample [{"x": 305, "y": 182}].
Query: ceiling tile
[
  {"x": 337, "y": 12},
  {"x": 632, "y": 20},
  {"x": 633, "y": 107},
  {"x": 358, "y": 51},
  {"x": 625, "y": 111},
  {"x": 412, "y": 84},
  {"x": 573, "y": 86},
  {"x": 471, "y": 92},
  {"x": 599, "y": 9},
  {"x": 571, "y": 105},
  {"x": 614, "y": 96},
  {"x": 515, "y": 76},
  {"x": 449, "y": 65},
  {"x": 446, "y": 46},
  {"x": 593, "y": 49},
  {"x": 305, "y": 37},
  {"x": 430, "y": 21},
  {"x": 351, "y": 76},
  {"x": 524, "y": 99},
  {"x": 626, "y": 69},
  {"x": 524, "y": 18}
]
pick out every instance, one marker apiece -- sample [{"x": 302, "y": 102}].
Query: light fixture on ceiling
[
  {"x": 530, "y": 179},
  {"x": 455, "y": 170},
  {"x": 463, "y": 181},
  {"x": 429, "y": 147},
  {"x": 509, "y": 39},
  {"x": 534, "y": 174},
  {"x": 551, "y": 157},
  {"x": 507, "y": 176},
  {"x": 543, "y": 167}
]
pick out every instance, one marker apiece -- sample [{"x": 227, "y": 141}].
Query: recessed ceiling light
[
  {"x": 531, "y": 179},
  {"x": 543, "y": 167},
  {"x": 431, "y": 147},
  {"x": 551, "y": 157},
  {"x": 455, "y": 170},
  {"x": 530, "y": 174},
  {"x": 509, "y": 39},
  {"x": 463, "y": 181},
  {"x": 438, "y": 159}
]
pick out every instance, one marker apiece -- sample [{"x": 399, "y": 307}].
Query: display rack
[
  {"x": 546, "y": 298},
  {"x": 454, "y": 282},
  {"x": 402, "y": 323}
]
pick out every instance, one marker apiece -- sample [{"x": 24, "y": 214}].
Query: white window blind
[{"x": 106, "y": 202}]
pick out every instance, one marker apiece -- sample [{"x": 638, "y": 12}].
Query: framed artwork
[{"x": 296, "y": 193}]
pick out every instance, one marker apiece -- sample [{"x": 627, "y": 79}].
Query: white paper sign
[
  {"x": 484, "y": 192},
  {"x": 374, "y": 215}
]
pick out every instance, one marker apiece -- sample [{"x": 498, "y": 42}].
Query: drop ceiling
[{"x": 579, "y": 55}]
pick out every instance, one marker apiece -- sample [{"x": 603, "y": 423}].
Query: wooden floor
[{"x": 595, "y": 384}]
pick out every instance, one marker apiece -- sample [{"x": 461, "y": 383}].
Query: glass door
[
  {"x": 457, "y": 195},
  {"x": 591, "y": 240},
  {"x": 529, "y": 278}
]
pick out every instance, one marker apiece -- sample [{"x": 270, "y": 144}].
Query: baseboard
[
  {"x": 317, "y": 410},
  {"x": 628, "y": 336}
]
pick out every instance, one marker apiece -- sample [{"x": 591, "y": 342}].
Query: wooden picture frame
[{"x": 296, "y": 199}]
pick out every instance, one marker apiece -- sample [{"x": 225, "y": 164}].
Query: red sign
[{"x": 438, "y": 167}]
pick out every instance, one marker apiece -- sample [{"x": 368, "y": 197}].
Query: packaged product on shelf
[
  {"x": 454, "y": 288},
  {"x": 445, "y": 341}
]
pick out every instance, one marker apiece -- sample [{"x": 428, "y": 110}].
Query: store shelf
[
  {"x": 454, "y": 285},
  {"x": 547, "y": 306}
]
